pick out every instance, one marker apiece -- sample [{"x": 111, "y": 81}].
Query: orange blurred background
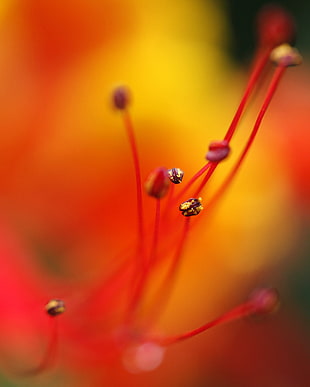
[{"x": 67, "y": 187}]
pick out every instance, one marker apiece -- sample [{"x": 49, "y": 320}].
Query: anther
[
  {"x": 285, "y": 55},
  {"x": 191, "y": 207},
  {"x": 121, "y": 98},
  {"x": 275, "y": 26},
  {"x": 218, "y": 151},
  {"x": 55, "y": 307},
  {"x": 175, "y": 175},
  {"x": 157, "y": 183},
  {"x": 264, "y": 301}
]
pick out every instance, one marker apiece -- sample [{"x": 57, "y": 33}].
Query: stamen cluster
[{"x": 161, "y": 242}]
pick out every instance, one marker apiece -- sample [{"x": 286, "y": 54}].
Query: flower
[{"x": 80, "y": 232}]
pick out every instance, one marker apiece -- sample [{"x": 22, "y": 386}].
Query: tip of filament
[
  {"x": 121, "y": 97},
  {"x": 157, "y": 183},
  {"x": 264, "y": 301},
  {"x": 286, "y": 56},
  {"x": 218, "y": 151},
  {"x": 275, "y": 26}
]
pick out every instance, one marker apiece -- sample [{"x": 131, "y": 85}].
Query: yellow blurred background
[{"x": 67, "y": 185}]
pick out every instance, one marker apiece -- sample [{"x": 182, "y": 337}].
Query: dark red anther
[
  {"x": 191, "y": 207},
  {"x": 121, "y": 97},
  {"x": 175, "y": 175},
  {"x": 218, "y": 151},
  {"x": 275, "y": 26},
  {"x": 264, "y": 301},
  {"x": 157, "y": 183}
]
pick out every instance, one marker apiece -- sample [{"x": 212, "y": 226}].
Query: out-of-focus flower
[{"x": 75, "y": 225}]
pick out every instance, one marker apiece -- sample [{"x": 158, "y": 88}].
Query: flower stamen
[
  {"x": 156, "y": 185},
  {"x": 53, "y": 308},
  {"x": 261, "y": 302},
  {"x": 121, "y": 100},
  {"x": 277, "y": 76},
  {"x": 165, "y": 290},
  {"x": 275, "y": 26}
]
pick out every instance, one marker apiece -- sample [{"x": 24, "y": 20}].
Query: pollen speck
[
  {"x": 175, "y": 175},
  {"x": 55, "y": 307},
  {"x": 191, "y": 207}
]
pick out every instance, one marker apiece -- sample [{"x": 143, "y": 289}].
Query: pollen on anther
[
  {"x": 55, "y": 307},
  {"x": 218, "y": 151},
  {"x": 285, "y": 55},
  {"x": 121, "y": 98},
  {"x": 191, "y": 207},
  {"x": 175, "y": 175}
]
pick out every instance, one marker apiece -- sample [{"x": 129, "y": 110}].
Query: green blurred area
[{"x": 241, "y": 17}]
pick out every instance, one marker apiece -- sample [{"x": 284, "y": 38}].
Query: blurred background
[{"x": 63, "y": 156}]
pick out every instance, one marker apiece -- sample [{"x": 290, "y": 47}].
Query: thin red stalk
[
  {"x": 206, "y": 179},
  {"x": 234, "y": 314},
  {"x": 270, "y": 93},
  {"x": 165, "y": 290},
  {"x": 50, "y": 353},
  {"x": 143, "y": 279},
  {"x": 169, "y": 201},
  {"x": 135, "y": 155},
  {"x": 101, "y": 296},
  {"x": 153, "y": 253},
  {"x": 193, "y": 179},
  {"x": 179, "y": 251},
  {"x": 260, "y": 63}
]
